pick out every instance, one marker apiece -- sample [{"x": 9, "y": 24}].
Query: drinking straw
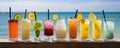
[
  {"x": 104, "y": 15},
  {"x": 35, "y": 15},
  {"x": 48, "y": 14},
  {"x": 10, "y": 12},
  {"x": 104, "y": 18},
  {"x": 25, "y": 13},
  {"x": 10, "y": 18},
  {"x": 76, "y": 13}
]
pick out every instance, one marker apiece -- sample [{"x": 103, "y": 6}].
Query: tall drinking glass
[
  {"x": 48, "y": 30},
  {"x": 72, "y": 28},
  {"x": 25, "y": 27},
  {"x": 37, "y": 25},
  {"x": 61, "y": 29},
  {"x": 84, "y": 29},
  {"x": 96, "y": 29},
  {"x": 109, "y": 29},
  {"x": 13, "y": 29}
]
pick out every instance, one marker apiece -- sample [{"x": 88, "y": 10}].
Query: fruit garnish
[
  {"x": 79, "y": 17},
  {"x": 18, "y": 16},
  {"x": 36, "y": 25},
  {"x": 31, "y": 15},
  {"x": 55, "y": 16},
  {"x": 92, "y": 17}
]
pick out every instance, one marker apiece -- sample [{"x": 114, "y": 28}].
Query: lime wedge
[
  {"x": 92, "y": 17},
  {"x": 37, "y": 25},
  {"x": 31, "y": 15},
  {"x": 18, "y": 16},
  {"x": 55, "y": 17},
  {"x": 79, "y": 17}
]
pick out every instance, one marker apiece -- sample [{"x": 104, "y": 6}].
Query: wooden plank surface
[
  {"x": 60, "y": 45},
  {"x": 5, "y": 43}
]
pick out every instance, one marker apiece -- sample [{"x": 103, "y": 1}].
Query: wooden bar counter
[{"x": 114, "y": 44}]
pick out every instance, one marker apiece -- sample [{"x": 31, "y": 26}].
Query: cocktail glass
[
  {"x": 13, "y": 29},
  {"x": 61, "y": 29},
  {"x": 37, "y": 25},
  {"x": 48, "y": 30},
  {"x": 72, "y": 28},
  {"x": 25, "y": 28},
  {"x": 84, "y": 29},
  {"x": 96, "y": 29},
  {"x": 109, "y": 29}
]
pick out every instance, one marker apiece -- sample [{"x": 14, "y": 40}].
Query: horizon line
[{"x": 63, "y": 11}]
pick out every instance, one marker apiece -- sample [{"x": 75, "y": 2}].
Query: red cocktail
[
  {"x": 13, "y": 29},
  {"x": 48, "y": 28}
]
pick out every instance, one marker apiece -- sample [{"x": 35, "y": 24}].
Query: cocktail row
[{"x": 60, "y": 26}]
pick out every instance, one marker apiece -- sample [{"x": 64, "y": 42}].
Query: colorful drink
[
  {"x": 48, "y": 30},
  {"x": 25, "y": 26},
  {"x": 96, "y": 29},
  {"x": 37, "y": 25},
  {"x": 109, "y": 29},
  {"x": 84, "y": 29},
  {"x": 13, "y": 29},
  {"x": 72, "y": 28},
  {"x": 61, "y": 29},
  {"x": 48, "y": 27}
]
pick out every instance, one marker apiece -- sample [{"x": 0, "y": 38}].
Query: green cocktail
[
  {"x": 109, "y": 29},
  {"x": 37, "y": 25}
]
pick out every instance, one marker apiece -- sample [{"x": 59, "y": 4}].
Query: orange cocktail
[
  {"x": 13, "y": 29},
  {"x": 72, "y": 28}
]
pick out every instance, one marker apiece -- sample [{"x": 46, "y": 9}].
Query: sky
[{"x": 60, "y": 5}]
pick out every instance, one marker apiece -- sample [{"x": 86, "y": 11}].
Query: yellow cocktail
[
  {"x": 84, "y": 29},
  {"x": 25, "y": 29},
  {"x": 96, "y": 29}
]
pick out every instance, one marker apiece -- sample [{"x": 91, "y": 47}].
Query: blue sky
[{"x": 60, "y": 5}]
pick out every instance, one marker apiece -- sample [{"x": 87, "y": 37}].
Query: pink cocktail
[{"x": 48, "y": 29}]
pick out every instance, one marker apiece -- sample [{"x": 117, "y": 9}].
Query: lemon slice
[
  {"x": 18, "y": 16},
  {"x": 92, "y": 17},
  {"x": 79, "y": 17},
  {"x": 31, "y": 15},
  {"x": 55, "y": 17}
]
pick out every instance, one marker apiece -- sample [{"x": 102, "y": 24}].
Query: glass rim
[
  {"x": 61, "y": 19},
  {"x": 37, "y": 20},
  {"x": 109, "y": 19}
]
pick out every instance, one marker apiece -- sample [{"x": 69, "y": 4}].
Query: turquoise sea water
[{"x": 4, "y": 16}]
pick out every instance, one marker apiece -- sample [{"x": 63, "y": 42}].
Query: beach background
[{"x": 4, "y": 16}]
